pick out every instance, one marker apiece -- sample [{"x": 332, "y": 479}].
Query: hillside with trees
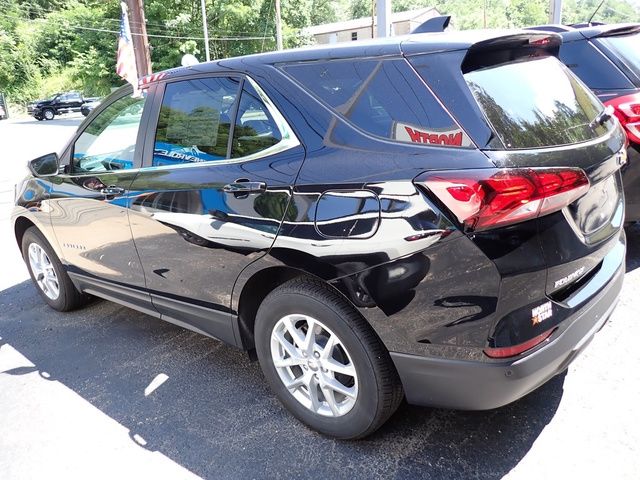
[{"x": 54, "y": 45}]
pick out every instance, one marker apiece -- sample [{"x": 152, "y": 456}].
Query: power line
[
  {"x": 177, "y": 37},
  {"x": 174, "y": 37}
]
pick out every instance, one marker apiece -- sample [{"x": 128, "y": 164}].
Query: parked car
[
  {"x": 607, "y": 59},
  {"x": 436, "y": 217},
  {"x": 88, "y": 107},
  {"x": 58, "y": 104},
  {"x": 4, "y": 110}
]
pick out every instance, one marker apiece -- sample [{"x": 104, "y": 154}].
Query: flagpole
[{"x": 206, "y": 30}]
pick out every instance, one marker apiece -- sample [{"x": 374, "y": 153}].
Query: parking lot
[{"x": 76, "y": 396}]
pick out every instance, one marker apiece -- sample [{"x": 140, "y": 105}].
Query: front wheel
[
  {"x": 48, "y": 274},
  {"x": 323, "y": 360},
  {"x": 49, "y": 114}
]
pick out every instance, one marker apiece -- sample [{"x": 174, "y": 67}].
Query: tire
[
  {"x": 38, "y": 117},
  {"x": 367, "y": 374},
  {"x": 48, "y": 114},
  {"x": 68, "y": 297}
]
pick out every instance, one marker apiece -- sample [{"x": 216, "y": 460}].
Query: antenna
[{"x": 594, "y": 13}]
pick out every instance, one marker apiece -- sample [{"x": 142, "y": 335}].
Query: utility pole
[
  {"x": 206, "y": 30},
  {"x": 555, "y": 11},
  {"x": 373, "y": 18},
  {"x": 384, "y": 18},
  {"x": 139, "y": 34},
  {"x": 278, "y": 27}
]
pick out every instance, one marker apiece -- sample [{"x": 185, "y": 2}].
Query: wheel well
[
  {"x": 21, "y": 226},
  {"x": 254, "y": 292}
]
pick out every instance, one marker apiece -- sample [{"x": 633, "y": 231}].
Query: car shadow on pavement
[{"x": 215, "y": 416}]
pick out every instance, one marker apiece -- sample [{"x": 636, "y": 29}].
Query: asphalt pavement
[{"x": 107, "y": 392}]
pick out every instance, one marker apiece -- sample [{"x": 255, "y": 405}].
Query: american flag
[{"x": 126, "y": 60}]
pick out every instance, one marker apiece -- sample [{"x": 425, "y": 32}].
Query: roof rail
[{"x": 434, "y": 24}]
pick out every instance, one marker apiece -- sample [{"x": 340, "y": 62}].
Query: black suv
[
  {"x": 436, "y": 217},
  {"x": 58, "y": 104},
  {"x": 607, "y": 59}
]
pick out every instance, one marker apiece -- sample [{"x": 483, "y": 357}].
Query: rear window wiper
[{"x": 602, "y": 117}]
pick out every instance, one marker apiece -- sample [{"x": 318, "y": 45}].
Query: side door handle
[
  {"x": 245, "y": 187},
  {"x": 112, "y": 190}
]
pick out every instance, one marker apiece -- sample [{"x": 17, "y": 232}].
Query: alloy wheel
[
  {"x": 314, "y": 365},
  {"x": 43, "y": 271}
]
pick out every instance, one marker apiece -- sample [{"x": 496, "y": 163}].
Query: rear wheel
[
  {"x": 48, "y": 274},
  {"x": 324, "y": 362}
]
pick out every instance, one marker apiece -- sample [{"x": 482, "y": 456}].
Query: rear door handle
[
  {"x": 245, "y": 187},
  {"x": 112, "y": 190}
]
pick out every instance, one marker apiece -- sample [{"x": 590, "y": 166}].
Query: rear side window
[
  {"x": 382, "y": 97},
  {"x": 194, "y": 122},
  {"x": 592, "y": 67},
  {"x": 627, "y": 48},
  {"x": 536, "y": 103},
  {"x": 255, "y": 129}
]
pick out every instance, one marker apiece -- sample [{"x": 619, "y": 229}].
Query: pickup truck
[{"x": 58, "y": 104}]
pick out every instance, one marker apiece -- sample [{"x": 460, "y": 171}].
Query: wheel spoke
[
  {"x": 298, "y": 339},
  {"x": 51, "y": 284},
  {"x": 327, "y": 351},
  {"x": 336, "y": 386},
  {"x": 310, "y": 337},
  {"x": 331, "y": 400},
  {"x": 313, "y": 393},
  {"x": 337, "y": 367},
  {"x": 288, "y": 362},
  {"x": 33, "y": 258},
  {"x": 290, "y": 349},
  {"x": 295, "y": 383}
]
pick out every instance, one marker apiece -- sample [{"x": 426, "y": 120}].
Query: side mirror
[{"x": 44, "y": 166}]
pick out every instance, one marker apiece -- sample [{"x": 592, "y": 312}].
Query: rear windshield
[
  {"x": 536, "y": 103},
  {"x": 627, "y": 48}
]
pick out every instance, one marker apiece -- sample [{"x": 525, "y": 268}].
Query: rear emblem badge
[
  {"x": 541, "y": 313},
  {"x": 569, "y": 278}
]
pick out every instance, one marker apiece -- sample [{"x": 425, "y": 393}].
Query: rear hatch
[{"x": 528, "y": 113}]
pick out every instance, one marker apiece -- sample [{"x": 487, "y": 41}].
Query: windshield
[
  {"x": 627, "y": 48},
  {"x": 536, "y": 103}
]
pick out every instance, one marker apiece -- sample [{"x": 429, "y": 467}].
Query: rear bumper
[{"x": 474, "y": 385}]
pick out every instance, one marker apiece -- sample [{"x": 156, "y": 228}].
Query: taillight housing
[
  {"x": 481, "y": 199},
  {"x": 627, "y": 110}
]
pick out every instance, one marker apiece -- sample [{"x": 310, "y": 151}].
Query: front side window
[
  {"x": 382, "y": 97},
  {"x": 195, "y": 121},
  {"x": 109, "y": 142},
  {"x": 536, "y": 103}
]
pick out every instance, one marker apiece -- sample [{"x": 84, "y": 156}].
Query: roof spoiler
[
  {"x": 625, "y": 29},
  {"x": 509, "y": 48},
  {"x": 433, "y": 25}
]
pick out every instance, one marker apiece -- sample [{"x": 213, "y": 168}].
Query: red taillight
[
  {"x": 486, "y": 198},
  {"x": 504, "y": 352},
  {"x": 627, "y": 110}
]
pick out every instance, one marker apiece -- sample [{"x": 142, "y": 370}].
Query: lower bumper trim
[{"x": 473, "y": 385}]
